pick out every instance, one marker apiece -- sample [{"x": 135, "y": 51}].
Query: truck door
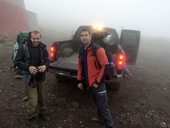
[{"x": 129, "y": 40}]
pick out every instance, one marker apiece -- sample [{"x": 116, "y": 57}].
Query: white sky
[{"x": 152, "y": 17}]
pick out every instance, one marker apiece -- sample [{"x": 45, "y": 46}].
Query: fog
[{"x": 151, "y": 17}]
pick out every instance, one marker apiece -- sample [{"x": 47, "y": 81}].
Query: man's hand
[
  {"x": 33, "y": 70},
  {"x": 42, "y": 68},
  {"x": 80, "y": 86},
  {"x": 95, "y": 85}
]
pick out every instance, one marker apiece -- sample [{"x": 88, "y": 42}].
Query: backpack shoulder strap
[
  {"x": 95, "y": 47},
  {"x": 26, "y": 50}
]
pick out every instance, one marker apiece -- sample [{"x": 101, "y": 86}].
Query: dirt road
[{"x": 143, "y": 100}]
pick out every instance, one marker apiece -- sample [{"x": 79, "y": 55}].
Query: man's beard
[{"x": 35, "y": 44}]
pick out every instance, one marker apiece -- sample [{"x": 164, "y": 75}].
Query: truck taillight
[
  {"x": 52, "y": 52},
  {"x": 120, "y": 61}
]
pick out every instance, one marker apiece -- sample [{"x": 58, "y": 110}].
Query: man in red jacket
[{"x": 91, "y": 70}]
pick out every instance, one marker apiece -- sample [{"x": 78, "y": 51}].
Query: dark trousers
[
  {"x": 18, "y": 71},
  {"x": 99, "y": 96},
  {"x": 36, "y": 99}
]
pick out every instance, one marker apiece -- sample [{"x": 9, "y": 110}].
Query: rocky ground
[{"x": 143, "y": 100}]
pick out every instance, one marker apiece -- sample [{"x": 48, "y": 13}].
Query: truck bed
[{"x": 67, "y": 64}]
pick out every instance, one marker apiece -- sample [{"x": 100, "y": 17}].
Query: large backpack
[
  {"x": 110, "y": 70},
  {"x": 21, "y": 38}
]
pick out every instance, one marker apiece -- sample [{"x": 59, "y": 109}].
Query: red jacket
[{"x": 95, "y": 73}]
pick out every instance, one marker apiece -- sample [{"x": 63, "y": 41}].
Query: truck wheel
[
  {"x": 60, "y": 79},
  {"x": 114, "y": 84}
]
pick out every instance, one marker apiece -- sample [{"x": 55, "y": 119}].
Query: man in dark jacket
[
  {"x": 91, "y": 70},
  {"x": 33, "y": 58}
]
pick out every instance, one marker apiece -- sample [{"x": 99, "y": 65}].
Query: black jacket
[{"x": 23, "y": 59}]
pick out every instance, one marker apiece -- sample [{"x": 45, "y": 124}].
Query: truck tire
[
  {"x": 114, "y": 84},
  {"x": 66, "y": 50},
  {"x": 60, "y": 79}
]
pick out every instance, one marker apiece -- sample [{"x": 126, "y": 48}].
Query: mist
[{"x": 151, "y": 17}]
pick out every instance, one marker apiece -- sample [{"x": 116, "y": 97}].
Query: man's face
[
  {"x": 35, "y": 39},
  {"x": 85, "y": 37}
]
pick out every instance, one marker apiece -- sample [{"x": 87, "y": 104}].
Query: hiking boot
[
  {"x": 98, "y": 120},
  {"x": 33, "y": 123},
  {"x": 44, "y": 117},
  {"x": 25, "y": 98},
  {"x": 18, "y": 76}
]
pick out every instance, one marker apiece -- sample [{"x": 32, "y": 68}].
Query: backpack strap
[
  {"x": 94, "y": 48},
  {"x": 26, "y": 53}
]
